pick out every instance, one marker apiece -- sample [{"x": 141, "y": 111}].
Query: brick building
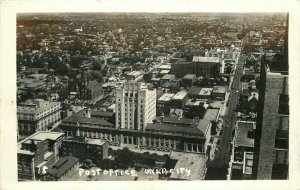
[
  {"x": 84, "y": 148},
  {"x": 36, "y": 151},
  {"x": 200, "y": 66}
]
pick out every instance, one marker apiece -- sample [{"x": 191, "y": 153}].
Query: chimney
[
  {"x": 88, "y": 112},
  {"x": 162, "y": 117}
]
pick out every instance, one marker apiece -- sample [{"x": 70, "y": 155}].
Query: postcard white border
[{"x": 8, "y": 121}]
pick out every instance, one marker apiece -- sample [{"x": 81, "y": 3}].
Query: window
[
  {"x": 283, "y": 107},
  {"x": 281, "y": 157},
  {"x": 281, "y": 139},
  {"x": 250, "y": 135}
]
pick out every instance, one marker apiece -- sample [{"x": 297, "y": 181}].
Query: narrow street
[{"x": 222, "y": 156}]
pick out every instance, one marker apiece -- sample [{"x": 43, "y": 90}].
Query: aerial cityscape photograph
[{"x": 152, "y": 96}]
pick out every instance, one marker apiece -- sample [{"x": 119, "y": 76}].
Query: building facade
[
  {"x": 84, "y": 148},
  {"x": 61, "y": 169},
  {"x": 272, "y": 143},
  {"x": 165, "y": 133},
  {"x": 135, "y": 106},
  {"x": 200, "y": 66},
  {"x": 36, "y": 152},
  {"x": 271, "y": 153},
  {"x": 37, "y": 115}
]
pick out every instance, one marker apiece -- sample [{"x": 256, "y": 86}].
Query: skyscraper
[
  {"x": 272, "y": 133},
  {"x": 135, "y": 105},
  {"x": 273, "y": 145}
]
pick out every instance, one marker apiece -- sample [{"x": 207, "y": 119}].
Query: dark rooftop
[
  {"x": 62, "y": 166},
  {"x": 174, "y": 120},
  {"x": 194, "y": 90},
  {"x": 162, "y": 127},
  {"x": 102, "y": 113},
  {"x": 80, "y": 118}
]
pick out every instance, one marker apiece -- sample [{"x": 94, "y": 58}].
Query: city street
[
  {"x": 163, "y": 62},
  {"x": 222, "y": 156}
]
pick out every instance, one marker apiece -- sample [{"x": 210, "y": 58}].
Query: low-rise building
[
  {"x": 135, "y": 75},
  {"x": 195, "y": 103},
  {"x": 179, "y": 135},
  {"x": 205, "y": 93},
  {"x": 61, "y": 169},
  {"x": 36, "y": 152},
  {"x": 167, "y": 78},
  {"x": 200, "y": 66},
  {"x": 85, "y": 148},
  {"x": 194, "y": 92},
  {"x": 179, "y": 99},
  {"x": 188, "y": 80},
  {"x": 219, "y": 92},
  {"x": 196, "y": 163},
  {"x": 213, "y": 115},
  {"x": 168, "y": 134},
  {"x": 163, "y": 104},
  {"x": 242, "y": 150}
]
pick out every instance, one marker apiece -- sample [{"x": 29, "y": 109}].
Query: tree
[
  {"x": 147, "y": 77},
  {"x": 95, "y": 75},
  {"x": 104, "y": 71},
  {"x": 97, "y": 65},
  {"x": 195, "y": 111},
  {"x": 124, "y": 157}
]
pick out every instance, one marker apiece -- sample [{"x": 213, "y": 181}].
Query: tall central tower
[{"x": 135, "y": 105}]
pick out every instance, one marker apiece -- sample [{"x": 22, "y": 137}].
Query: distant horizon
[{"x": 157, "y": 13}]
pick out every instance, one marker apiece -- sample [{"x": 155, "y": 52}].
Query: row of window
[
  {"x": 35, "y": 116},
  {"x": 165, "y": 143},
  {"x": 194, "y": 147}
]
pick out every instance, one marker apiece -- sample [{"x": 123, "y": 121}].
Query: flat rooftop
[
  {"x": 35, "y": 106},
  {"x": 193, "y": 102},
  {"x": 211, "y": 114},
  {"x": 95, "y": 141},
  {"x": 43, "y": 135},
  {"x": 194, "y": 90},
  {"x": 195, "y": 162},
  {"x": 216, "y": 104},
  {"x": 165, "y": 67},
  {"x": 173, "y": 120},
  {"x": 219, "y": 89},
  {"x": 179, "y": 95},
  {"x": 190, "y": 76},
  {"x": 135, "y": 73},
  {"x": 205, "y": 91},
  {"x": 242, "y": 138},
  {"x": 206, "y": 59},
  {"x": 164, "y": 71},
  {"x": 166, "y": 97},
  {"x": 84, "y": 140},
  {"x": 168, "y": 77},
  {"x": 38, "y": 136}
]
